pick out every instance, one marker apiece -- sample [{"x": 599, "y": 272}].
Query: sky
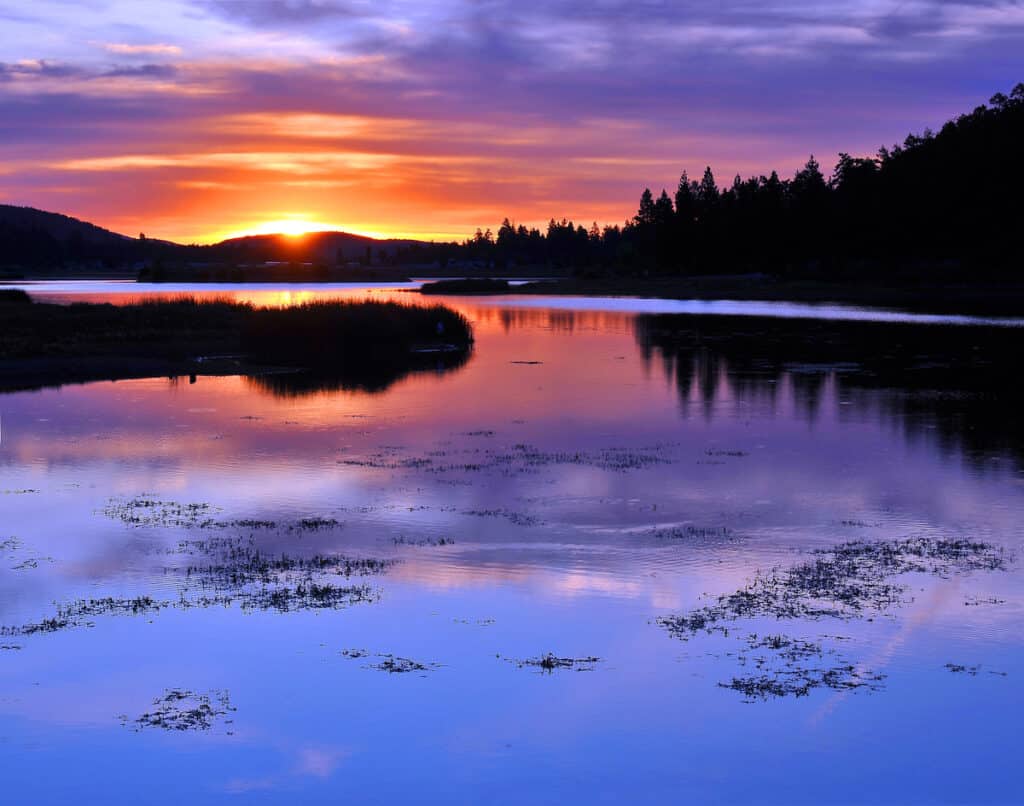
[{"x": 193, "y": 120}]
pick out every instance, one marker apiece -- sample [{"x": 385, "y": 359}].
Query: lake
[{"x": 769, "y": 553}]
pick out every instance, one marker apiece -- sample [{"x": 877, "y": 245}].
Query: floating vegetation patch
[
  {"x": 392, "y": 664},
  {"x": 794, "y": 667},
  {"x": 235, "y": 573},
  {"x": 10, "y": 544},
  {"x": 402, "y": 540},
  {"x": 800, "y": 682},
  {"x": 313, "y": 524},
  {"x": 842, "y": 582},
  {"x": 959, "y": 668},
  {"x": 182, "y": 710},
  {"x": 480, "y": 622},
  {"x": 550, "y": 662},
  {"x": 79, "y": 613},
  {"x": 522, "y": 458},
  {"x": 975, "y": 601},
  {"x": 242, "y": 564},
  {"x": 250, "y": 523},
  {"x": 306, "y": 597},
  {"x": 31, "y": 562},
  {"x": 10, "y": 647},
  {"x": 690, "y": 532},
  {"x": 517, "y": 518},
  {"x": 733, "y": 454},
  {"x": 852, "y": 580},
  {"x": 19, "y": 492},
  {"x": 144, "y": 511}
]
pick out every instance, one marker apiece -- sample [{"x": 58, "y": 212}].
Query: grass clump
[
  {"x": 48, "y": 343},
  {"x": 333, "y": 333}
]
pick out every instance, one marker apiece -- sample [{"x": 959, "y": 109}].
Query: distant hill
[
  {"x": 315, "y": 247},
  {"x": 38, "y": 241},
  {"x": 34, "y": 239}
]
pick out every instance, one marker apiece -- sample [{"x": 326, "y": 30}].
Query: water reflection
[
  {"x": 373, "y": 379},
  {"x": 583, "y": 475},
  {"x": 957, "y": 386}
]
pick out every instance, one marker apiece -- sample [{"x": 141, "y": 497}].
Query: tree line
[{"x": 941, "y": 203}]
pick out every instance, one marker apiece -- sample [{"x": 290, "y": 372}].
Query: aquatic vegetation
[
  {"x": 522, "y": 458},
  {"x": 314, "y": 524},
  {"x": 690, "y": 532},
  {"x": 517, "y": 518},
  {"x": 31, "y": 562},
  {"x": 851, "y": 580},
  {"x": 401, "y": 540},
  {"x": 146, "y": 511},
  {"x": 143, "y": 511},
  {"x": 311, "y": 596},
  {"x": 392, "y": 664},
  {"x": 975, "y": 601},
  {"x": 794, "y": 667},
  {"x": 801, "y": 682},
  {"x": 842, "y": 582},
  {"x": 79, "y": 613},
  {"x": 183, "y": 710},
  {"x": 549, "y": 662},
  {"x": 238, "y": 574},
  {"x": 958, "y": 668}
]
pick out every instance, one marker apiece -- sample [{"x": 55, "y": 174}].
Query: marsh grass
[{"x": 84, "y": 340}]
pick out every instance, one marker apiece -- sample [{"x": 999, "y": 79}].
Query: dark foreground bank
[{"x": 358, "y": 344}]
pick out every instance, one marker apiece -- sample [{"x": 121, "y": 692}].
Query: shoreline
[
  {"x": 950, "y": 299},
  {"x": 987, "y": 299}
]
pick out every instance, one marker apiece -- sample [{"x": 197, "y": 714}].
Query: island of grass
[{"x": 341, "y": 344}]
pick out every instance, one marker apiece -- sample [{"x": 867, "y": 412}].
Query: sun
[{"x": 291, "y": 227}]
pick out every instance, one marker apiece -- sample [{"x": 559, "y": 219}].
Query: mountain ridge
[{"x": 32, "y": 239}]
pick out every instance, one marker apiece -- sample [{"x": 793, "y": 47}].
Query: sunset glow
[
  {"x": 292, "y": 227},
  {"x": 200, "y": 119}
]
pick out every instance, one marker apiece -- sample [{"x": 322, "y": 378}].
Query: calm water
[{"x": 562, "y": 492}]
